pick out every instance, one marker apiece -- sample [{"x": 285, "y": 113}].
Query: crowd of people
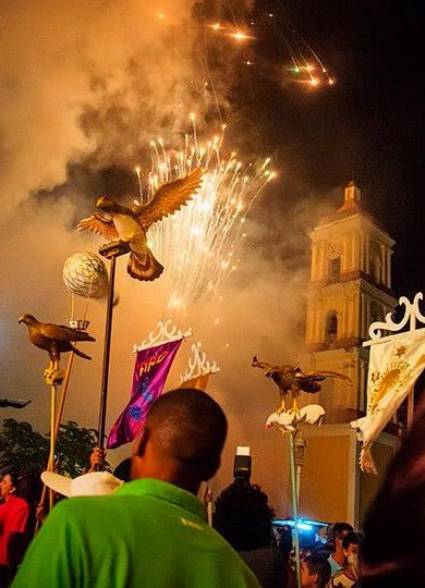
[{"x": 145, "y": 526}]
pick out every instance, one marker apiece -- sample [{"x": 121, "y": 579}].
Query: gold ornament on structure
[{"x": 392, "y": 378}]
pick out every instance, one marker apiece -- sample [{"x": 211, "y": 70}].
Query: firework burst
[{"x": 198, "y": 245}]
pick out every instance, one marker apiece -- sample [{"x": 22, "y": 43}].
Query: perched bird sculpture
[
  {"x": 130, "y": 225},
  {"x": 5, "y": 402},
  {"x": 55, "y": 339},
  {"x": 292, "y": 379}
]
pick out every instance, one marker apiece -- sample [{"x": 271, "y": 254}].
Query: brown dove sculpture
[
  {"x": 55, "y": 339},
  {"x": 130, "y": 225}
]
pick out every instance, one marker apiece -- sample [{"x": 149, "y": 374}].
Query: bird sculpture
[
  {"x": 55, "y": 339},
  {"x": 130, "y": 225},
  {"x": 5, "y": 402},
  {"x": 292, "y": 379}
]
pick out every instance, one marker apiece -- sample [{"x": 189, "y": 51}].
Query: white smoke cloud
[
  {"x": 99, "y": 76},
  {"x": 92, "y": 82}
]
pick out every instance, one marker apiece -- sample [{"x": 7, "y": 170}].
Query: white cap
[{"x": 91, "y": 484}]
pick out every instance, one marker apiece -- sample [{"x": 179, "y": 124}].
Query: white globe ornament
[{"x": 85, "y": 275}]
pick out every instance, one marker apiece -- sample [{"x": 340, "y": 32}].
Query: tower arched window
[
  {"x": 376, "y": 263},
  {"x": 376, "y": 312},
  {"x": 334, "y": 269},
  {"x": 331, "y": 327}
]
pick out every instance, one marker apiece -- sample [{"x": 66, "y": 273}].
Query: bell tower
[{"x": 350, "y": 287}]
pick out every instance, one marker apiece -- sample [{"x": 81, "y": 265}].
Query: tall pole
[
  {"x": 294, "y": 493},
  {"x": 106, "y": 354},
  {"x": 111, "y": 251},
  {"x": 51, "y": 462},
  {"x": 53, "y": 377},
  {"x": 58, "y": 418}
]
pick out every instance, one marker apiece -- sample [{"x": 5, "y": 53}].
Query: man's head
[
  {"x": 182, "y": 439},
  {"x": 315, "y": 573},
  {"x": 350, "y": 547},
  {"x": 243, "y": 516},
  {"x": 340, "y": 530}
]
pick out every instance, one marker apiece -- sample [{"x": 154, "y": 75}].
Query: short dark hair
[
  {"x": 350, "y": 539},
  {"x": 189, "y": 427},
  {"x": 123, "y": 470},
  {"x": 340, "y": 528},
  {"x": 243, "y": 516},
  {"x": 321, "y": 567},
  {"x": 15, "y": 478}
]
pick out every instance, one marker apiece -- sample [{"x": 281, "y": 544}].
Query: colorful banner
[
  {"x": 150, "y": 373},
  {"x": 394, "y": 366}
]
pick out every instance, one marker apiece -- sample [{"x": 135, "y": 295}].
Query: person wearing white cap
[{"x": 91, "y": 484}]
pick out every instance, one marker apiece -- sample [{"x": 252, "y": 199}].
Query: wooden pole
[
  {"x": 294, "y": 494},
  {"x": 52, "y": 437},
  {"x": 64, "y": 391},
  {"x": 106, "y": 355},
  {"x": 53, "y": 377},
  {"x": 58, "y": 419}
]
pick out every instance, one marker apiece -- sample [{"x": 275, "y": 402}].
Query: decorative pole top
[
  {"x": 198, "y": 365},
  {"x": 165, "y": 332},
  {"x": 412, "y": 315}
]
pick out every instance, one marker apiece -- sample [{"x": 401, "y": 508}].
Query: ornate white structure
[
  {"x": 165, "y": 331},
  {"x": 311, "y": 414},
  {"x": 199, "y": 366},
  {"x": 412, "y": 315},
  {"x": 350, "y": 287}
]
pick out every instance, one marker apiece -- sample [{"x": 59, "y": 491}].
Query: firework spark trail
[
  {"x": 306, "y": 65},
  {"x": 198, "y": 243}
]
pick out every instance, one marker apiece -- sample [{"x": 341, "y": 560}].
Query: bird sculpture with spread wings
[
  {"x": 130, "y": 225},
  {"x": 55, "y": 339},
  {"x": 292, "y": 379}
]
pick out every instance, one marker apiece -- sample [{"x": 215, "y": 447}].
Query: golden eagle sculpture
[
  {"x": 55, "y": 339},
  {"x": 130, "y": 225},
  {"x": 292, "y": 379}
]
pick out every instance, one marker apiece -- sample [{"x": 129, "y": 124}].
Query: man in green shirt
[{"x": 151, "y": 532}]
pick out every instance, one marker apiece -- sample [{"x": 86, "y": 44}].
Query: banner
[
  {"x": 394, "y": 367},
  {"x": 150, "y": 373}
]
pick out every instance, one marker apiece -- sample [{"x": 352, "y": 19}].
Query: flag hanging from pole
[
  {"x": 394, "y": 367},
  {"x": 150, "y": 373}
]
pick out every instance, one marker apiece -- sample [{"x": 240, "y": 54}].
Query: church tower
[{"x": 350, "y": 287}]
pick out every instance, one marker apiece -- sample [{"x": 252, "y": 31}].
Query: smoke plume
[{"x": 85, "y": 87}]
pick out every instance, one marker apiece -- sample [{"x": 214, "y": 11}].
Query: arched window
[
  {"x": 334, "y": 269},
  {"x": 376, "y": 312},
  {"x": 331, "y": 327},
  {"x": 376, "y": 264},
  {"x": 376, "y": 268}
]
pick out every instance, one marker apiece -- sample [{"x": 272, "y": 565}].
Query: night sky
[{"x": 369, "y": 126}]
